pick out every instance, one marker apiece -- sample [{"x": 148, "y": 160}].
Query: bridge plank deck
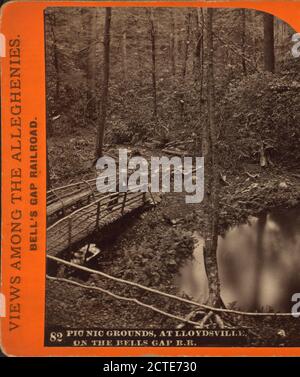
[{"x": 83, "y": 222}]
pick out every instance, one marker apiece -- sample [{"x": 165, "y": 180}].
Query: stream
[{"x": 237, "y": 258}]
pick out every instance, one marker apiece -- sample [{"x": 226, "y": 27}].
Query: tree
[
  {"x": 269, "y": 54},
  {"x": 52, "y": 22},
  {"x": 186, "y": 45},
  {"x": 261, "y": 224},
  {"x": 91, "y": 66},
  {"x": 91, "y": 55},
  {"x": 269, "y": 65},
  {"x": 52, "y": 26},
  {"x": 125, "y": 55},
  {"x": 153, "y": 55},
  {"x": 211, "y": 179},
  {"x": 199, "y": 49},
  {"x": 243, "y": 40},
  {"x": 105, "y": 82},
  {"x": 172, "y": 44},
  {"x": 48, "y": 178}
]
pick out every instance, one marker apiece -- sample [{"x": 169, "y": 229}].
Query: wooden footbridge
[
  {"x": 80, "y": 210},
  {"x": 77, "y": 210}
]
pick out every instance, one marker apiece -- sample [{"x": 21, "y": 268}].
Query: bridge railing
[
  {"x": 83, "y": 222},
  {"x": 62, "y": 200},
  {"x": 64, "y": 191}
]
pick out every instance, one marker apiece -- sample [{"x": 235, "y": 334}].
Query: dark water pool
[{"x": 238, "y": 260}]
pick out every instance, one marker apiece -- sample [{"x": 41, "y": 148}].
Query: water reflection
[{"x": 237, "y": 256}]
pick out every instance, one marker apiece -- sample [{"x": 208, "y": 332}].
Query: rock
[
  {"x": 93, "y": 248},
  {"x": 283, "y": 185},
  {"x": 281, "y": 333},
  {"x": 153, "y": 198},
  {"x": 93, "y": 251}
]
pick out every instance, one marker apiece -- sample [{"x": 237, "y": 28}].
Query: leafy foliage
[{"x": 262, "y": 109}]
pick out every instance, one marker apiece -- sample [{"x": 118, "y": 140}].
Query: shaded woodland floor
[
  {"x": 174, "y": 75},
  {"x": 151, "y": 247}
]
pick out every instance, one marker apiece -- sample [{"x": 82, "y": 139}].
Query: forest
[{"x": 217, "y": 83}]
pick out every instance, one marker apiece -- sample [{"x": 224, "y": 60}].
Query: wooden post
[
  {"x": 124, "y": 202},
  {"x": 98, "y": 215}
]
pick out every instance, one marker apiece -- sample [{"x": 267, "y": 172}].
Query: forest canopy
[{"x": 75, "y": 55}]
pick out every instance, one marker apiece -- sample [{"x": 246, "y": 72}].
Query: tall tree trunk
[
  {"x": 254, "y": 49},
  {"x": 153, "y": 53},
  {"x": 243, "y": 40},
  {"x": 202, "y": 54},
  {"x": 211, "y": 179},
  {"x": 269, "y": 65},
  {"x": 198, "y": 67},
  {"x": 186, "y": 45},
  {"x": 172, "y": 44},
  {"x": 105, "y": 82},
  {"x": 269, "y": 54},
  {"x": 55, "y": 56},
  {"x": 91, "y": 58},
  {"x": 48, "y": 179},
  {"x": 140, "y": 50},
  {"x": 125, "y": 55},
  {"x": 184, "y": 65},
  {"x": 261, "y": 224},
  {"x": 198, "y": 53},
  {"x": 51, "y": 23}
]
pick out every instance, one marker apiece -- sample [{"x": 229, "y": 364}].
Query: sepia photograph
[{"x": 173, "y": 177}]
